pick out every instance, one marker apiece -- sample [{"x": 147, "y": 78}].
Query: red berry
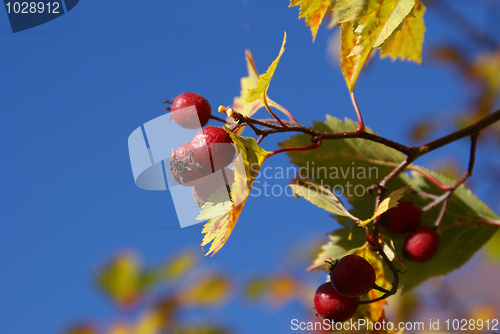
[
  {"x": 202, "y": 192},
  {"x": 191, "y": 111},
  {"x": 213, "y": 149},
  {"x": 183, "y": 166},
  {"x": 331, "y": 305},
  {"x": 422, "y": 244},
  {"x": 353, "y": 276},
  {"x": 403, "y": 218}
]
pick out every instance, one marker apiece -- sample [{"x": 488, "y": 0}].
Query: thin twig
[{"x": 358, "y": 113}]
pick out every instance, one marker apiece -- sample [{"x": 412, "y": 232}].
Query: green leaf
[
  {"x": 320, "y": 196},
  {"x": 467, "y": 223}
]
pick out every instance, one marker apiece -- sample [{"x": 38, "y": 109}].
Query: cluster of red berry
[
  {"x": 350, "y": 278},
  {"x": 422, "y": 243},
  {"x": 353, "y": 276},
  {"x": 210, "y": 150}
]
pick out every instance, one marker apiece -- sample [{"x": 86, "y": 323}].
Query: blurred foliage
[{"x": 159, "y": 294}]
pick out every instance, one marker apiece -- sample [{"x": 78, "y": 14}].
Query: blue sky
[{"x": 72, "y": 91}]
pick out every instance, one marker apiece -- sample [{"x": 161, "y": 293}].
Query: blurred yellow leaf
[
  {"x": 313, "y": 11},
  {"x": 249, "y": 158},
  {"x": 484, "y": 313},
  {"x": 120, "y": 279},
  {"x": 389, "y": 202},
  {"x": 81, "y": 329},
  {"x": 180, "y": 265},
  {"x": 149, "y": 323},
  {"x": 407, "y": 42},
  {"x": 282, "y": 288},
  {"x": 174, "y": 269},
  {"x": 209, "y": 290},
  {"x": 120, "y": 327},
  {"x": 257, "y": 287}
]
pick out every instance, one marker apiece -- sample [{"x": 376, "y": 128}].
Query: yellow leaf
[
  {"x": 350, "y": 65},
  {"x": 390, "y": 202},
  {"x": 392, "y": 16},
  {"x": 351, "y": 9},
  {"x": 374, "y": 312},
  {"x": 313, "y": 11},
  {"x": 380, "y": 20},
  {"x": 260, "y": 91},
  {"x": 249, "y": 108},
  {"x": 407, "y": 42},
  {"x": 249, "y": 159},
  {"x": 239, "y": 103}
]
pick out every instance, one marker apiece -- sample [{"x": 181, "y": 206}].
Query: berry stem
[
  {"x": 441, "y": 214},
  {"x": 358, "y": 113},
  {"x": 317, "y": 143},
  {"x": 429, "y": 177},
  {"x": 446, "y": 196},
  {"x": 379, "y": 288},
  {"x": 423, "y": 194},
  {"x": 271, "y": 112},
  {"x": 260, "y": 139},
  {"x": 217, "y": 119}
]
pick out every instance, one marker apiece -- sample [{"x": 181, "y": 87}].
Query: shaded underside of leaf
[{"x": 320, "y": 196}]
